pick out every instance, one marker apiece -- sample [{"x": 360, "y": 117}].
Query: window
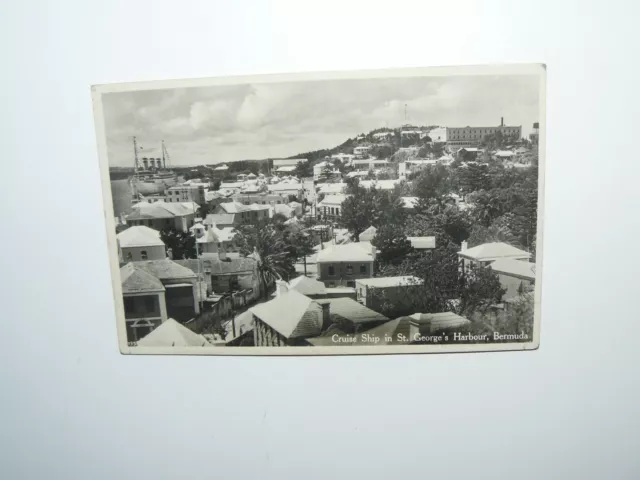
[
  {"x": 363, "y": 268},
  {"x": 349, "y": 269},
  {"x": 332, "y": 270},
  {"x": 143, "y": 254}
]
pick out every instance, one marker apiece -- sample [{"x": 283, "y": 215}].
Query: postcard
[{"x": 362, "y": 212}]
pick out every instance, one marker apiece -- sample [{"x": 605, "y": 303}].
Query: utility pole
[{"x": 199, "y": 272}]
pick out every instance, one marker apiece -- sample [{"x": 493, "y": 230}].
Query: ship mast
[
  {"x": 135, "y": 155},
  {"x": 165, "y": 156}
]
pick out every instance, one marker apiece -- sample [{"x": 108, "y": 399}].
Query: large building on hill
[{"x": 460, "y": 137}]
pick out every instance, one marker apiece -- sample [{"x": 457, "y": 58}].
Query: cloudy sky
[{"x": 207, "y": 125}]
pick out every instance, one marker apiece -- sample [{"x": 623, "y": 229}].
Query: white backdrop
[{"x": 73, "y": 407}]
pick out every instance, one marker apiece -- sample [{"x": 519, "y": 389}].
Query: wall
[
  {"x": 157, "y": 252},
  {"x": 340, "y": 277},
  {"x": 378, "y": 299},
  {"x": 249, "y": 199}
]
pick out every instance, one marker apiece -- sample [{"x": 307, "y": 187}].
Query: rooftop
[
  {"x": 333, "y": 200},
  {"x": 173, "y": 334},
  {"x": 219, "y": 219},
  {"x": 235, "y": 265},
  {"x": 164, "y": 269},
  {"x": 135, "y": 280},
  {"x": 139, "y": 236},
  {"x": 504, "y": 153},
  {"x": 439, "y": 321},
  {"x": 332, "y": 187},
  {"x": 488, "y": 251},
  {"x": 350, "y": 252},
  {"x": 409, "y": 202},
  {"x": 161, "y": 209},
  {"x": 421, "y": 243},
  {"x": 518, "y": 268},
  {"x": 283, "y": 209},
  {"x": 382, "y": 282},
  {"x": 353, "y": 311},
  {"x": 286, "y": 168},
  {"x": 225, "y": 185},
  {"x": 307, "y": 286},
  {"x": 275, "y": 187},
  {"x": 379, "y": 184},
  {"x": 287, "y": 314},
  {"x": 237, "y": 207}
]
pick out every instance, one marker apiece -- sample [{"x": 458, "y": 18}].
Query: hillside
[{"x": 383, "y": 146}]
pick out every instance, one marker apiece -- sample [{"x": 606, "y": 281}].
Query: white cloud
[{"x": 225, "y": 123}]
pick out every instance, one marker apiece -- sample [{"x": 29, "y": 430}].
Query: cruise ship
[{"x": 151, "y": 175}]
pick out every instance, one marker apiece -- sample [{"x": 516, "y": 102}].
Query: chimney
[
  {"x": 464, "y": 246},
  {"x": 326, "y": 315},
  {"x": 502, "y": 121}
]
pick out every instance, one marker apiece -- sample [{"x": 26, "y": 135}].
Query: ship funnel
[{"x": 145, "y": 162}]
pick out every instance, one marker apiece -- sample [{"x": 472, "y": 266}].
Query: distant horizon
[
  {"x": 255, "y": 122},
  {"x": 301, "y": 154}
]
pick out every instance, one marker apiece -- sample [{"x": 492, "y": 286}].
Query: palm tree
[{"x": 265, "y": 245}]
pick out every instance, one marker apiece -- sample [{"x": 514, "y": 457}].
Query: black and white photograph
[{"x": 388, "y": 211}]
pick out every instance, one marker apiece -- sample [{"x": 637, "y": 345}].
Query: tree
[
  {"x": 518, "y": 317},
  {"x": 425, "y": 151},
  {"x": 382, "y": 151},
  {"x": 445, "y": 222},
  {"x": 182, "y": 244},
  {"x": 472, "y": 177},
  {"x": 385, "y": 175},
  {"x": 480, "y": 290},
  {"x": 432, "y": 183},
  {"x": 497, "y": 232},
  {"x": 327, "y": 172},
  {"x": 299, "y": 245},
  {"x": 438, "y": 272},
  {"x": 443, "y": 286},
  {"x": 437, "y": 149},
  {"x": 303, "y": 170},
  {"x": 370, "y": 207},
  {"x": 392, "y": 243},
  {"x": 265, "y": 244},
  {"x": 205, "y": 209}
]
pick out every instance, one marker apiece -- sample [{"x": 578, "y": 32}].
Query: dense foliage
[{"x": 181, "y": 244}]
